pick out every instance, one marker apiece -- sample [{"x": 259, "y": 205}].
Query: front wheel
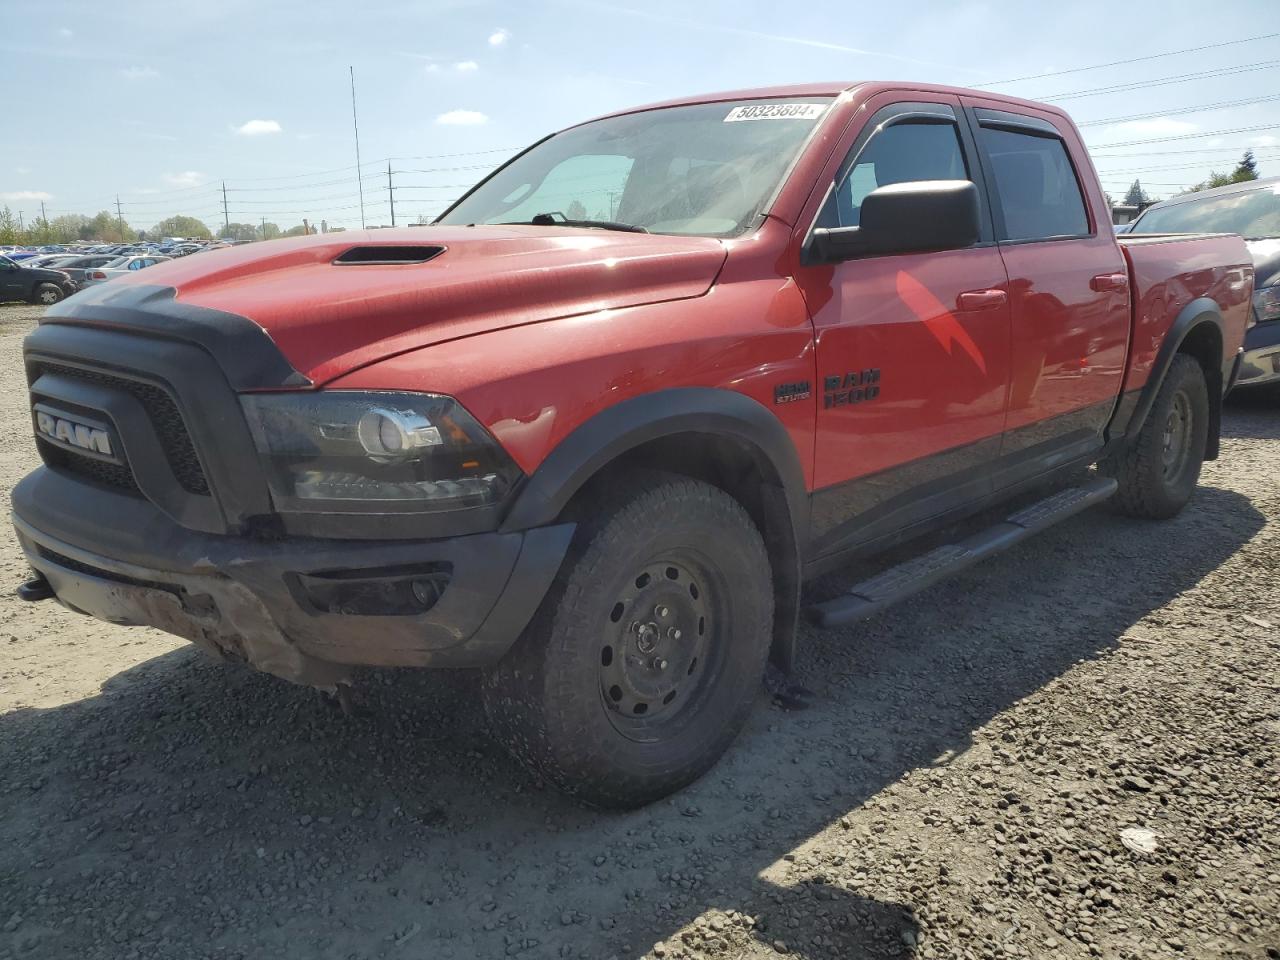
[
  {"x": 47, "y": 294},
  {"x": 1159, "y": 472},
  {"x": 645, "y": 658}
]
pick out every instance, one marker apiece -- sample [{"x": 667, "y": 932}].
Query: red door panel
[
  {"x": 1069, "y": 339},
  {"x": 942, "y": 368}
]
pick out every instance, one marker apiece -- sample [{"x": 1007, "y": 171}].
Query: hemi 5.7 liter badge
[
  {"x": 791, "y": 392},
  {"x": 74, "y": 432}
]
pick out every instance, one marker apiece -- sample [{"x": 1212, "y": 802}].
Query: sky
[{"x": 161, "y": 103}]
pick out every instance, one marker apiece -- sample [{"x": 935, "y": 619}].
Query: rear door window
[{"x": 1037, "y": 191}]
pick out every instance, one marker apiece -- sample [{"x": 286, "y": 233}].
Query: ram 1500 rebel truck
[{"x": 591, "y": 430}]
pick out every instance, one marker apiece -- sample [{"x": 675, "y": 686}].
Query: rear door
[
  {"x": 1068, "y": 284},
  {"x": 912, "y": 349}
]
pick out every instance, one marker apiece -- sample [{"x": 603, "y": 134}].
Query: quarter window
[
  {"x": 1036, "y": 186},
  {"x": 902, "y": 153}
]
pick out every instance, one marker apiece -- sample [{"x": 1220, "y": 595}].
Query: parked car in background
[
  {"x": 21, "y": 255},
  {"x": 32, "y": 284},
  {"x": 75, "y": 267},
  {"x": 49, "y": 260},
  {"x": 120, "y": 266},
  {"x": 1251, "y": 209}
]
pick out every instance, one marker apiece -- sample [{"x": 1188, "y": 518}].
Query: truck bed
[{"x": 1169, "y": 270}]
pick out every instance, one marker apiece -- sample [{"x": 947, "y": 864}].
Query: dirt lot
[{"x": 959, "y": 788}]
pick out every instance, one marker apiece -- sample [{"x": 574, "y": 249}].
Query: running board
[{"x": 897, "y": 583}]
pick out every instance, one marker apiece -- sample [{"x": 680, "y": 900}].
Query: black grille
[
  {"x": 164, "y": 415},
  {"x": 115, "y": 475}
]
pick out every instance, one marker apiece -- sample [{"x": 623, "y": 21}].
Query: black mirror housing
[{"x": 906, "y": 218}]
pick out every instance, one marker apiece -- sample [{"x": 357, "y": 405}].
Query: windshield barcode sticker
[{"x": 776, "y": 111}]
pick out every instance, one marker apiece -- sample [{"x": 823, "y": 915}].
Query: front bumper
[
  {"x": 120, "y": 559},
  {"x": 1261, "y": 361}
]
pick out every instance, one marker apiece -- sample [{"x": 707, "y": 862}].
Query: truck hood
[
  {"x": 338, "y": 301},
  {"x": 1266, "y": 261}
]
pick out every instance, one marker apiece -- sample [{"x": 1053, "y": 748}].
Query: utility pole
[
  {"x": 120, "y": 218},
  {"x": 391, "y": 192},
  {"x": 44, "y": 221},
  {"x": 226, "y": 217},
  {"x": 264, "y": 228},
  {"x": 355, "y": 124},
  {"x": 22, "y": 227}
]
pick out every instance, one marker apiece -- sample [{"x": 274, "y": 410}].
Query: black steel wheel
[
  {"x": 1159, "y": 471},
  {"x": 644, "y": 659}
]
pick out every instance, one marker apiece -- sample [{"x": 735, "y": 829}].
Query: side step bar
[{"x": 897, "y": 583}]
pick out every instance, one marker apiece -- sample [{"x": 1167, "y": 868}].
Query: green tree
[
  {"x": 239, "y": 231},
  {"x": 576, "y": 211},
  {"x": 298, "y": 231},
  {"x": 68, "y": 227},
  {"x": 181, "y": 226},
  {"x": 106, "y": 226},
  {"x": 1136, "y": 196},
  {"x": 8, "y": 226},
  {"x": 1246, "y": 169}
]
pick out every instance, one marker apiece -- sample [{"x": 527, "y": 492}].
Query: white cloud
[
  {"x": 256, "y": 128},
  {"x": 26, "y": 195},
  {"x": 432, "y": 68},
  {"x": 466, "y": 66},
  {"x": 188, "y": 178},
  {"x": 64, "y": 32},
  {"x": 1266, "y": 140},
  {"x": 166, "y": 137},
  {"x": 1155, "y": 127},
  {"x": 499, "y": 37},
  {"x": 21, "y": 170},
  {"x": 139, "y": 73},
  {"x": 462, "y": 118}
]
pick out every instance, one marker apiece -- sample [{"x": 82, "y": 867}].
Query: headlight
[
  {"x": 1266, "y": 303},
  {"x": 352, "y": 451}
]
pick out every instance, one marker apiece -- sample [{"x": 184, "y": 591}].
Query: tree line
[
  {"x": 1245, "y": 170},
  {"x": 106, "y": 227}
]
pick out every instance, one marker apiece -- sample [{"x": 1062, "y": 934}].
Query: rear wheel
[
  {"x": 643, "y": 662},
  {"x": 1159, "y": 472},
  {"x": 47, "y": 294}
]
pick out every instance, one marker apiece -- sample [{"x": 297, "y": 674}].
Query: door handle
[
  {"x": 1106, "y": 282},
  {"x": 981, "y": 299}
]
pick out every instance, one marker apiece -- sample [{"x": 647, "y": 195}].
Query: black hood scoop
[{"x": 371, "y": 254}]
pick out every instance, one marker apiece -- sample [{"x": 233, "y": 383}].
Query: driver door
[{"x": 912, "y": 349}]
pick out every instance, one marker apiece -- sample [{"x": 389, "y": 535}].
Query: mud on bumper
[{"x": 307, "y": 610}]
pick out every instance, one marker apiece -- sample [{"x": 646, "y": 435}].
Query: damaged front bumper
[{"x": 305, "y": 609}]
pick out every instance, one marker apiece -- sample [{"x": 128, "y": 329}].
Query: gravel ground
[{"x": 960, "y": 787}]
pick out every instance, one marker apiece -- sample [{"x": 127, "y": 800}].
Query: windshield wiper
[{"x": 558, "y": 219}]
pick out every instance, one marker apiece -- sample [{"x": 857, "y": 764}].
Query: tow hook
[{"x": 37, "y": 588}]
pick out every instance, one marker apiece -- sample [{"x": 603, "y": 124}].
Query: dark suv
[{"x": 33, "y": 284}]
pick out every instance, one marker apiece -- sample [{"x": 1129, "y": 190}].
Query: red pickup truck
[{"x": 591, "y": 430}]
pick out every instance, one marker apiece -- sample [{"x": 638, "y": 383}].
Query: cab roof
[{"x": 863, "y": 88}]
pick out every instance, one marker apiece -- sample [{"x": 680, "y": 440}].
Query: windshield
[
  {"x": 1254, "y": 215},
  {"x": 707, "y": 169}
]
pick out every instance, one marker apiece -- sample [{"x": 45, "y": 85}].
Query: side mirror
[{"x": 906, "y": 218}]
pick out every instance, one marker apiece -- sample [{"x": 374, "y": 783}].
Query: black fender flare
[
  {"x": 1125, "y": 425},
  {"x": 609, "y": 434}
]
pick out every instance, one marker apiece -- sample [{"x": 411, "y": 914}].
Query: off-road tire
[
  {"x": 45, "y": 290},
  {"x": 1150, "y": 486},
  {"x": 553, "y": 700}
]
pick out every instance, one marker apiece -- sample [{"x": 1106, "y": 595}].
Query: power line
[
  {"x": 1162, "y": 81},
  {"x": 1117, "y": 63},
  {"x": 1222, "y": 104},
  {"x": 1190, "y": 136}
]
